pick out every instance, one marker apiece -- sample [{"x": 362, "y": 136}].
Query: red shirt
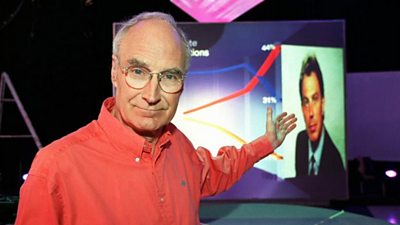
[{"x": 104, "y": 174}]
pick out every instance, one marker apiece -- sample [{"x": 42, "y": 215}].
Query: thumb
[{"x": 270, "y": 125}]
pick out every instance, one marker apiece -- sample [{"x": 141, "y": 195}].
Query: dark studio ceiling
[{"x": 372, "y": 27}]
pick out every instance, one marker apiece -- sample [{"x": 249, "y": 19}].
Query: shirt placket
[{"x": 158, "y": 171}]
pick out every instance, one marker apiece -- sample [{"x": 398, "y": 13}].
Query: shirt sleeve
[
  {"x": 37, "y": 204},
  {"x": 40, "y": 201},
  {"x": 219, "y": 173}
]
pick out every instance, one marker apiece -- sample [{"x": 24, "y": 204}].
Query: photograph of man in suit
[{"x": 316, "y": 154}]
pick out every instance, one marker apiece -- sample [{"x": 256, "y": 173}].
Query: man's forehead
[
  {"x": 311, "y": 78},
  {"x": 152, "y": 43},
  {"x": 137, "y": 62},
  {"x": 152, "y": 26}
]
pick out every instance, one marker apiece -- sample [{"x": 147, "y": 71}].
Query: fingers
[
  {"x": 286, "y": 123},
  {"x": 291, "y": 124},
  {"x": 269, "y": 119},
  {"x": 269, "y": 113},
  {"x": 281, "y": 116}
]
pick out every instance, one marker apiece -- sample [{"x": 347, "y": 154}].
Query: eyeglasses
[{"x": 170, "y": 81}]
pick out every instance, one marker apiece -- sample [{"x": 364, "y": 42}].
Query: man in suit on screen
[{"x": 316, "y": 154}]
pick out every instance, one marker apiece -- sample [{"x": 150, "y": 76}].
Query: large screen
[{"x": 238, "y": 70}]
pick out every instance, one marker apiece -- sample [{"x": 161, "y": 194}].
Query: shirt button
[
  {"x": 161, "y": 199},
  {"x": 137, "y": 159}
]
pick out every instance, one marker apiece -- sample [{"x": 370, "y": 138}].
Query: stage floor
[
  {"x": 212, "y": 213},
  {"x": 254, "y": 213}
]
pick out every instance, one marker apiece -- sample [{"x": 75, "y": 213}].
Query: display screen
[{"x": 238, "y": 70}]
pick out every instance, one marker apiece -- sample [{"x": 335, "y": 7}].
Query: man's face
[
  {"x": 152, "y": 44},
  {"x": 312, "y": 106}
]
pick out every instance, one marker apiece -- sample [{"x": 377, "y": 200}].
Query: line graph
[
  {"x": 257, "y": 78},
  {"x": 227, "y": 132},
  {"x": 250, "y": 85},
  {"x": 224, "y": 70}
]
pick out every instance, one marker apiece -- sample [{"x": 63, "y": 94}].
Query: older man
[{"x": 131, "y": 165}]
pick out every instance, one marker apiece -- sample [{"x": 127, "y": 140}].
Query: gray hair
[{"x": 147, "y": 16}]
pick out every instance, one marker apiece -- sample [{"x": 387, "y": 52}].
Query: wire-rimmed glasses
[{"x": 170, "y": 81}]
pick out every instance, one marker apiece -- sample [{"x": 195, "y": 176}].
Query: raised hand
[{"x": 278, "y": 129}]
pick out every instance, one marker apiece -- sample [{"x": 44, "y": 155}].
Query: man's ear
[
  {"x": 114, "y": 70},
  {"x": 323, "y": 107}
]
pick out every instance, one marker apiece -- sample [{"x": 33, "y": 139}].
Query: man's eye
[
  {"x": 137, "y": 71},
  {"x": 171, "y": 76}
]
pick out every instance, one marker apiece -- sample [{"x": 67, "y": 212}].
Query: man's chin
[
  {"x": 148, "y": 131},
  {"x": 314, "y": 139},
  {"x": 313, "y": 136}
]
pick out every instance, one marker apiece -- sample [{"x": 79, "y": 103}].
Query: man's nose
[
  {"x": 151, "y": 92},
  {"x": 309, "y": 109}
]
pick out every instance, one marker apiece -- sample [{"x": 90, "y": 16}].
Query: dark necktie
[{"x": 312, "y": 171}]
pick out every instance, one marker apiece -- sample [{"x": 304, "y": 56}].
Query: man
[
  {"x": 316, "y": 154},
  {"x": 132, "y": 166}
]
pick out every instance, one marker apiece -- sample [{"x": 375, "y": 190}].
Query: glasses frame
[{"x": 159, "y": 77}]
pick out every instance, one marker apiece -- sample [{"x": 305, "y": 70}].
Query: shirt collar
[
  {"x": 122, "y": 137},
  {"x": 318, "y": 151}
]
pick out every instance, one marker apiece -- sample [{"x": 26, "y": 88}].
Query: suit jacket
[{"x": 331, "y": 162}]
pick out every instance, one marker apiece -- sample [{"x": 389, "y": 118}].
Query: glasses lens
[
  {"x": 171, "y": 82},
  {"x": 137, "y": 77}
]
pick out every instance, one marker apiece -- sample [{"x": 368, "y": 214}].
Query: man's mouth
[
  {"x": 312, "y": 128},
  {"x": 149, "y": 112}
]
